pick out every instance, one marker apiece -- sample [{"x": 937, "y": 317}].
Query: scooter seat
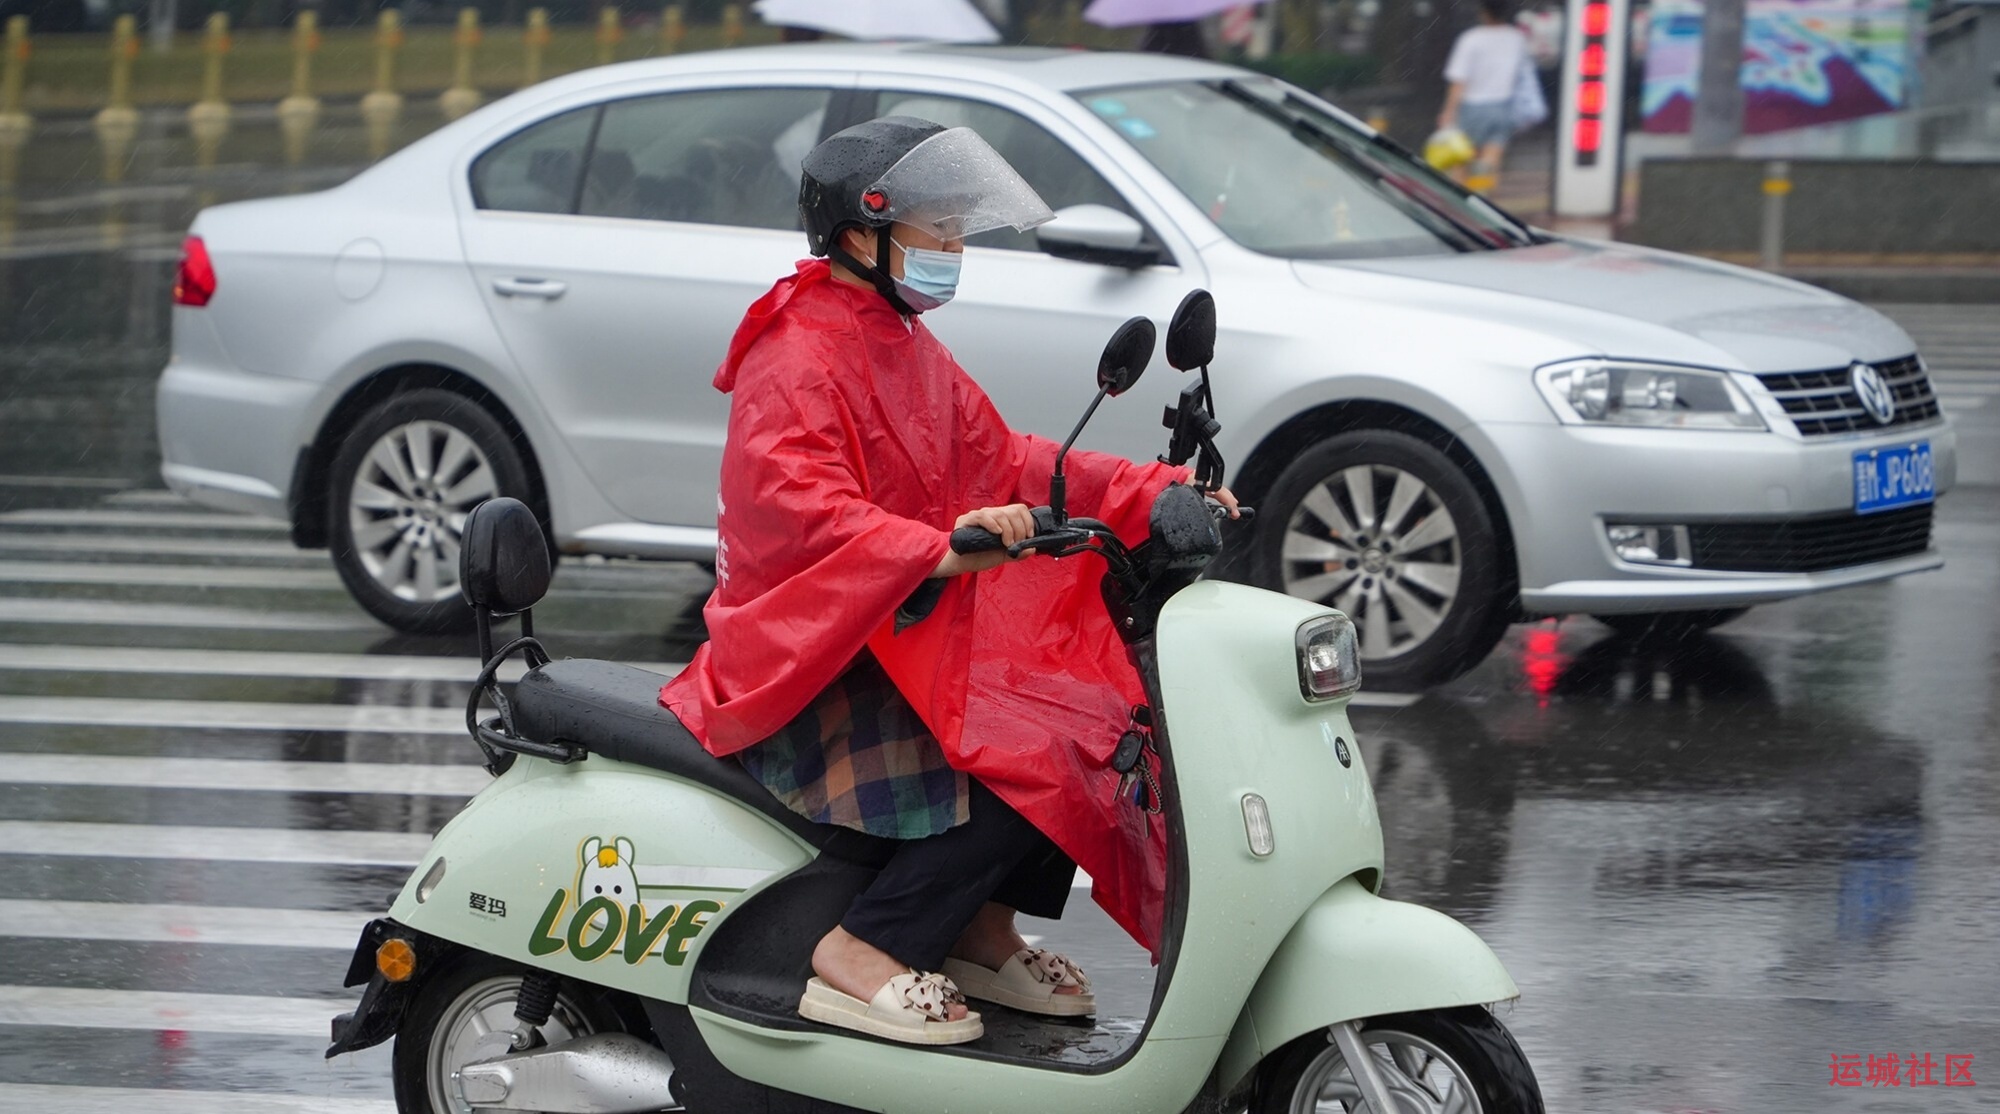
[{"x": 614, "y": 710}]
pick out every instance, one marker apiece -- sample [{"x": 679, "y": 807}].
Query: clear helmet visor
[{"x": 955, "y": 185}]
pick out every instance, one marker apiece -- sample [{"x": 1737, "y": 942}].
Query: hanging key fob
[{"x": 1126, "y": 758}]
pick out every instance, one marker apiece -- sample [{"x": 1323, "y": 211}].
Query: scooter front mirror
[
  {"x": 1191, "y": 334},
  {"x": 1125, "y": 357}
]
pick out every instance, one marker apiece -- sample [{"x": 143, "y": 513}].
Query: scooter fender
[
  {"x": 1355, "y": 955},
  {"x": 608, "y": 872}
]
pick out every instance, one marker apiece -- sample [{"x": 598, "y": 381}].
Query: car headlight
[
  {"x": 1329, "y": 658},
  {"x": 1608, "y": 392}
]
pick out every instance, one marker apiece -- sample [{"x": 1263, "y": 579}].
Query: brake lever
[{"x": 1042, "y": 543}]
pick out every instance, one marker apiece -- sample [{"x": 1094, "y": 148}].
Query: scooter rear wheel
[
  {"x": 475, "y": 995},
  {"x": 1459, "y": 1060}
]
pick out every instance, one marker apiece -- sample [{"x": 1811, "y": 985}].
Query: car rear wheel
[
  {"x": 403, "y": 481},
  {"x": 1386, "y": 528},
  {"x": 1670, "y": 626}
]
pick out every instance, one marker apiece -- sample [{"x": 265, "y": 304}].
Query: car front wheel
[
  {"x": 402, "y": 483},
  {"x": 1387, "y": 529}
]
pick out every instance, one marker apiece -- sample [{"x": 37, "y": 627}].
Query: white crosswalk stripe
[
  {"x": 246, "y": 845},
  {"x": 181, "y": 924},
  {"x": 248, "y": 663},
  {"x": 43, "y": 1098},
  {"x": 82, "y": 1008},
  {"x": 141, "y": 520},
  {"x": 115, "y": 711},
  {"x": 240, "y": 774}
]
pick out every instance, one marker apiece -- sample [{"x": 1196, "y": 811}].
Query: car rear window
[{"x": 537, "y": 169}]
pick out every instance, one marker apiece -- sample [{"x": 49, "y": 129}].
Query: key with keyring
[{"x": 1125, "y": 759}]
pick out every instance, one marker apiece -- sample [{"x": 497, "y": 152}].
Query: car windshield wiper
[
  {"x": 1512, "y": 227},
  {"x": 1414, "y": 196}
]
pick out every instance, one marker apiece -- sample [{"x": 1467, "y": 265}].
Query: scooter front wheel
[
  {"x": 1458, "y": 1060},
  {"x": 471, "y": 998}
]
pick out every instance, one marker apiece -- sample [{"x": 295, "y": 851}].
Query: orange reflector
[{"x": 396, "y": 959}]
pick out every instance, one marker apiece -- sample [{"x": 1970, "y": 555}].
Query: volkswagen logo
[{"x": 1876, "y": 398}]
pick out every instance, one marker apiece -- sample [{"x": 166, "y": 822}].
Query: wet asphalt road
[{"x": 1711, "y": 868}]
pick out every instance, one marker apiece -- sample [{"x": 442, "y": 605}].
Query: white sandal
[
  {"x": 911, "y": 1008},
  {"x": 1027, "y": 982}
]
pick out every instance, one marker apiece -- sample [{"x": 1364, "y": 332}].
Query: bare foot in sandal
[
  {"x": 991, "y": 940},
  {"x": 992, "y": 963},
  {"x": 859, "y": 969}
]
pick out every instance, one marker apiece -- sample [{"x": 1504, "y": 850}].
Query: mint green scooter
[{"x": 622, "y": 923}]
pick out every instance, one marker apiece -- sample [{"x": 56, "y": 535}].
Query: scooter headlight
[{"x": 1329, "y": 658}]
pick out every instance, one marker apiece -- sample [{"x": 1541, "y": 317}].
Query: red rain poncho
[{"x": 855, "y": 442}]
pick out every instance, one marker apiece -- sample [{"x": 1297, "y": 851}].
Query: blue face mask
[{"x": 930, "y": 278}]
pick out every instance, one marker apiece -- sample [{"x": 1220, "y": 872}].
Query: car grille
[
  {"x": 1811, "y": 544},
  {"x": 1823, "y": 403}
]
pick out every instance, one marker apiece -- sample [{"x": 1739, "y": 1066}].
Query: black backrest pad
[
  {"x": 503, "y": 562},
  {"x": 614, "y": 710}
]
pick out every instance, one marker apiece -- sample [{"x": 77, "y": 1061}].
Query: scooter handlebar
[
  {"x": 978, "y": 539},
  {"x": 974, "y": 539}
]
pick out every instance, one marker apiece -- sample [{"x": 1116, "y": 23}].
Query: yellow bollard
[
  {"x": 1378, "y": 118},
  {"x": 298, "y": 112},
  {"x": 732, "y": 25},
  {"x": 1073, "y": 22},
  {"x": 117, "y": 123},
  {"x": 536, "y": 39},
  {"x": 383, "y": 106},
  {"x": 208, "y": 118},
  {"x": 14, "y": 123},
  {"x": 609, "y": 32},
  {"x": 462, "y": 98},
  {"x": 673, "y": 29}
]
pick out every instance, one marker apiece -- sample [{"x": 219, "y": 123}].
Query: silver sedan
[{"x": 1449, "y": 420}]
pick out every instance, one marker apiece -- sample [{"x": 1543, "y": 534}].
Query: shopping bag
[
  {"x": 1529, "y": 106},
  {"x": 1448, "y": 148}
]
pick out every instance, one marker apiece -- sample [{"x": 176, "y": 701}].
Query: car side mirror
[
  {"x": 1191, "y": 334},
  {"x": 503, "y": 562},
  {"x": 1098, "y": 234}
]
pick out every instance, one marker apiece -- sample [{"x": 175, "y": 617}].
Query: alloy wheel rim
[
  {"x": 485, "y": 1008},
  {"x": 408, "y": 505},
  {"x": 1377, "y": 543},
  {"x": 1420, "y": 1076}
]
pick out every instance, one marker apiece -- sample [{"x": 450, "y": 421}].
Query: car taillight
[{"x": 194, "y": 283}]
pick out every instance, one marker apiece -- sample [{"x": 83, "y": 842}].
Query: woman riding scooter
[{"x": 856, "y": 445}]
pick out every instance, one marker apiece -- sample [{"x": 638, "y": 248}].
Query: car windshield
[{"x": 1281, "y": 175}]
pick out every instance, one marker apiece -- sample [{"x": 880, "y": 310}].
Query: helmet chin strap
[{"x": 876, "y": 273}]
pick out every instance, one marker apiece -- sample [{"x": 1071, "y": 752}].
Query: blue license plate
[{"x": 1885, "y": 479}]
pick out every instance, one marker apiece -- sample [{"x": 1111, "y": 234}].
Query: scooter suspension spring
[{"x": 537, "y": 999}]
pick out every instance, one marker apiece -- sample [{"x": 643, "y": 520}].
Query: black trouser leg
[{"x": 922, "y": 901}]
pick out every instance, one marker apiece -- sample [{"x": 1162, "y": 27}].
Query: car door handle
[{"x": 530, "y": 288}]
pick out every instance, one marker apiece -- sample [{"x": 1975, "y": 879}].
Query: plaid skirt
[{"x": 860, "y": 757}]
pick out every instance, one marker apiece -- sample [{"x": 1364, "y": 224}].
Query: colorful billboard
[{"x": 1805, "y": 62}]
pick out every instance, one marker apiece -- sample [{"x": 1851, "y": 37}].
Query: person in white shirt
[{"x": 1483, "y": 70}]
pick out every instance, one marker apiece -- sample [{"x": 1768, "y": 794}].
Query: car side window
[
  {"x": 1057, "y": 173},
  {"x": 536, "y": 169},
  {"x": 726, "y": 156}
]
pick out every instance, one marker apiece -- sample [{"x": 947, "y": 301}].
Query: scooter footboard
[{"x": 1356, "y": 955}]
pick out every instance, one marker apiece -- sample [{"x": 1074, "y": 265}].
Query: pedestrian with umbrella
[{"x": 1172, "y": 26}]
